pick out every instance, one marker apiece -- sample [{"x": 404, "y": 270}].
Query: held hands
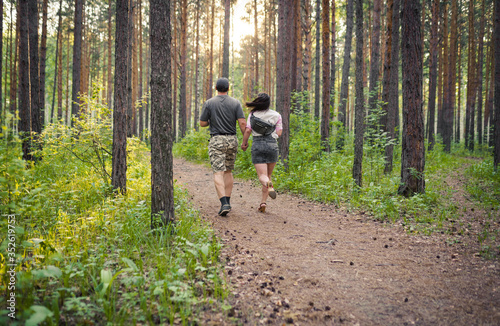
[{"x": 244, "y": 146}]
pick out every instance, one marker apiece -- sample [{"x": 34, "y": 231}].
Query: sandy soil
[{"x": 304, "y": 263}]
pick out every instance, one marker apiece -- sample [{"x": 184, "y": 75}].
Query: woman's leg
[{"x": 262, "y": 170}]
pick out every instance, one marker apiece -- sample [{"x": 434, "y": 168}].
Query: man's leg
[
  {"x": 219, "y": 180},
  {"x": 228, "y": 183}
]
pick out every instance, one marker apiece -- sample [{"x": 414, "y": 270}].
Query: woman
[{"x": 265, "y": 126}]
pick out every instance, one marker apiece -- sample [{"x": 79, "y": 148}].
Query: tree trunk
[
  {"x": 387, "y": 66},
  {"x": 211, "y": 66},
  {"x": 110, "y": 64},
  {"x": 433, "y": 74},
  {"x": 480, "y": 76},
  {"x": 345, "y": 71},
  {"x": 36, "y": 110},
  {"x": 496, "y": 42},
  {"x": 14, "y": 67},
  {"x": 452, "y": 74},
  {"x": 174, "y": 68},
  {"x": 471, "y": 85},
  {"x": 446, "y": 95},
  {"x": 317, "y": 78},
  {"x": 130, "y": 103},
  {"x": 325, "y": 114},
  {"x": 120, "y": 125},
  {"x": 162, "y": 185},
  {"x": 306, "y": 60},
  {"x": 332, "y": 59},
  {"x": 57, "y": 70},
  {"x": 43, "y": 60},
  {"x": 359, "y": 123},
  {"x": 374, "y": 63},
  {"x": 1, "y": 65},
  {"x": 183, "y": 77},
  {"x": 24, "y": 80},
  {"x": 77, "y": 58},
  {"x": 283, "y": 72},
  {"x": 225, "y": 56},
  {"x": 197, "y": 65},
  {"x": 141, "y": 75},
  {"x": 256, "y": 48},
  {"x": 413, "y": 150},
  {"x": 393, "y": 85}
]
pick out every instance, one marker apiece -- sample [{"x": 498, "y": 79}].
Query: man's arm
[
  {"x": 242, "y": 122},
  {"x": 204, "y": 123}
]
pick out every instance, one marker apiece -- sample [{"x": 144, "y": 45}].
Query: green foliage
[
  {"x": 194, "y": 146},
  {"x": 86, "y": 255}
]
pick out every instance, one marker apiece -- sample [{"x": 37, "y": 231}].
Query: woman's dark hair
[{"x": 260, "y": 103}]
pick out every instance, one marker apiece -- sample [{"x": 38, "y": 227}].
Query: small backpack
[{"x": 261, "y": 126}]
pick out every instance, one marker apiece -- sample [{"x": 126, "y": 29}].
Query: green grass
[{"x": 87, "y": 255}]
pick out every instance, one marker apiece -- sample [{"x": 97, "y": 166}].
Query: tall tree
[
  {"x": 197, "y": 64},
  {"x": 413, "y": 150},
  {"x": 43, "y": 59},
  {"x": 317, "y": 78},
  {"x": 36, "y": 117},
  {"x": 283, "y": 72},
  {"x": 110, "y": 75},
  {"x": 393, "y": 95},
  {"x": 471, "y": 82},
  {"x": 332, "y": 58},
  {"x": 183, "y": 77},
  {"x": 359, "y": 126},
  {"x": 225, "y": 55},
  {"x": 57, "y": 65},
  {"x": 162, "y": 185},
  {"x": 344, "y": 88},
  {"x": 24, "y": 80},
  {"x": 375, "y": 53},
  {"x": 77, "y": 57},
  {"x": 256, "y": 47},
  {"x": 120, "y": 125},
  {"x": 1, "y": 56},
  {"x": 130, "y": 103},
  {"x": 449, "y": 98},
  {"x": 325, "y": 116},
  {"x": 496, "y": 116},
  {"x": 433, "y": 74},
  {"x": 480, "y": 75}
]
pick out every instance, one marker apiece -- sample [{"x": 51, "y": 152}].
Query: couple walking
[{"x": 221, "y": 113}]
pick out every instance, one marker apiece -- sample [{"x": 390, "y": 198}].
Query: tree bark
[
  {"x": 480, "y": 76},
  {"x": 283, "y": 73},
  {"x": 120, "y": 125},
  {"x": 162, "y": 185},
  {"x": 183, "y": 77},
  {"x": 36, "y": 110},
  {"x": 110, "y": 64},
  {"x": 374, "y": 63},
  {"x": 332, "y": 59},
  {"x": 325, "y": 114},
  {"x": 77, "y": 58},
  {"x": 197, "y": 64},
  {"x": 256, "y": 49},
  {"x": 433, "y": 74},
  {"x": 57, "y": 70},
  {"x": 344, "y": 89},
  {"x": 24, "y": 80},
  {"x": 225, "y": 56},
  {"x": 393, "y": 92},
  {"x": 359, "y": 123},
  {"x": 43, "y": 60},
  {"x": 317, "y": 78},
  {"x": 413, "y": 150},
  {"x": 471, "y": 83},
  {"x": 496, "y": 152}
]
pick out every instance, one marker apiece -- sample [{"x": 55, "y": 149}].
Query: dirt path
[{"x": 311, "y": 264}]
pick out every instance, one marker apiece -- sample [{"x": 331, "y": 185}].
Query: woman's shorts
[{"x": 264, "y": 150}]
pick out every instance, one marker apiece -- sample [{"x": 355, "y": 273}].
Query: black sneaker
[{"x": 224, "y": 209}]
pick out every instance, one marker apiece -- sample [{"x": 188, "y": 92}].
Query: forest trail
[{"x": 313, "y": 264}]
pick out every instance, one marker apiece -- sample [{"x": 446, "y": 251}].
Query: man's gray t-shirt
[{"x": 222, "y": 111}]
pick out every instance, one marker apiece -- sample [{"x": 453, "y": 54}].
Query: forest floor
[{"x": 306, "y": 263}]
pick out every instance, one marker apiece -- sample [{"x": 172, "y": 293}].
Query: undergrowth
[{"x": 82, "y": 254}]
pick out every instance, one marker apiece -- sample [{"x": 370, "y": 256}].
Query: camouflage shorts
[{"x": 222, "y": 151}]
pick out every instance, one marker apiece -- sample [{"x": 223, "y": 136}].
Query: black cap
[{"x": 222, "y": 84}]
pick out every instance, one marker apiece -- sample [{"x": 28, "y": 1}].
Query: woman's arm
[{"x": 246, "y": 135}]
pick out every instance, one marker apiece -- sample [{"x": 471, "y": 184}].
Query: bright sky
[{"x": 241, "y": 28}]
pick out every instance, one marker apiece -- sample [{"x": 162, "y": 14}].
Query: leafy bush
[{"x": 87, "y": 255}]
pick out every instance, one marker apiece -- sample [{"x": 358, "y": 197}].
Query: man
[{"x": 221, "y": 113}]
